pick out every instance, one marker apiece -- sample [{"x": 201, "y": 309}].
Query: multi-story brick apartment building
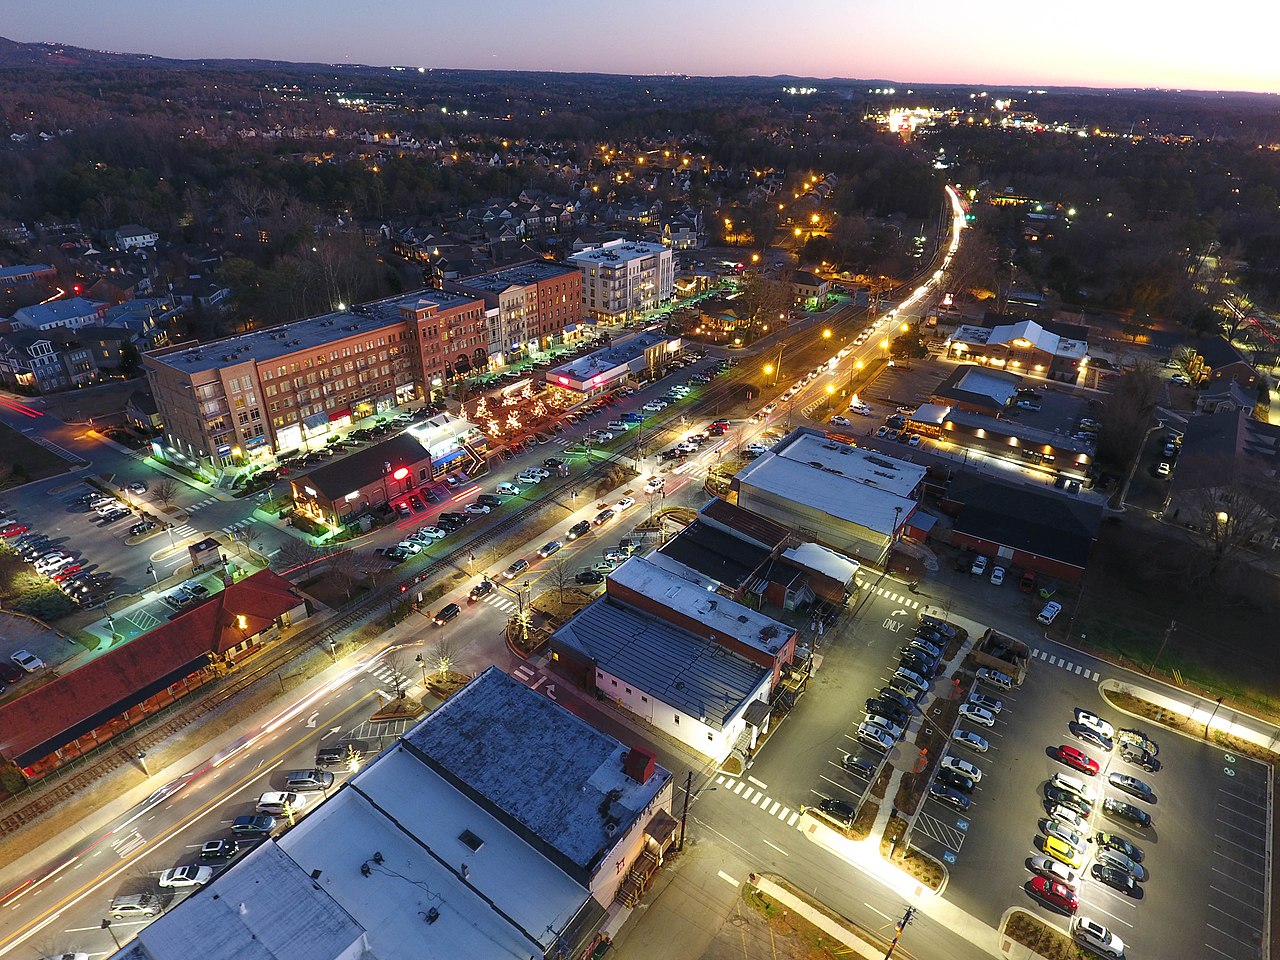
[
  {"x": 530, "y": 305},
  {"x": 625, "y": 278},
  {"x": 263, "y": 393}
]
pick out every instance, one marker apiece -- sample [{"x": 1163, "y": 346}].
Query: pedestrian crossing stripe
[
  {"x": 897, "y": 598},
  {"x": 1078, "y": 669},
  {"x": 759, "y": 799}
]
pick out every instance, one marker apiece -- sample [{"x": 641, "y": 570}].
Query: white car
[
  {"x": 997, "y": 576},
  {"x": 995, "y": 678},
  {"x": 137, "y": 487},
  {"x": 979, "y": 566},
  {"x": 971, "y": 740},
  {"x": 477, "y": 509},
  {"x": 548, "y": 548},
  {"x": 963, "y": 767},
  {"x": 977, "y": 715},
  {"x": 54, "y": 564},
  {"x": 27, "y": 660},
  {"x": 655, "y": 485},
  {"x": 435, "y": 533},
  {"x": 625, "y": 503},
  {"x": 838, "y": 421},
  {"x": 1070, "y": 817},
  {"x": 1048, "y": 867},
  {"x": 758, "y": 449},
  {"x": 1097, "y": 937},
  {"x": 603, "y": 436},
  {"x": 653, "y": 406},
  {"x": 1095, "y": 723},
  {"x": 529, "y": 477},
  {"x": 875, "y": 738},
  {"x": 507, "y": 490},
  {"x": 542, "y": 472},
  {"x": 1066, "y": 781},
  {"x": 412, "y": 546},
  {"x": 911, "y": 678},
  {"x": 192, "y": 876}
]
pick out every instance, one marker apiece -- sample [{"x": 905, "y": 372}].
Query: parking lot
[{"x": 1205, "y": 850}]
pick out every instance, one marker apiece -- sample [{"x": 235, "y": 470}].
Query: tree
[
  {"x": 294, "y": 553},
  {"x": 164, "y": 492},
  {"x": 344, "y": 565},
  {"x": 559, "y": 577},
  {"x": 443, "y": 655},
  {"x": 1229, "y": 516},
  {"x": 762, "y": 300}
]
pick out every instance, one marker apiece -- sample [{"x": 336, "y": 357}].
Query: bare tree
[
  {"x": 443, "y": 656},
  {"x": 1127, "y": 412},
  {"x": 294, "y": 553},
  {"x": 1230, "y": 518},
  {"x": 345, "y": 566},
  {"x": 559, "y": 577},
  {"x": 164, "y": 492}
]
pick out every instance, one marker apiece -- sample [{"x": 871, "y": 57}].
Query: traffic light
[{"x": 404, "y": 588}]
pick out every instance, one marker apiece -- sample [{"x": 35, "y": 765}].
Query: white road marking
[
  {"x": 728, "y": 879},
  {"x": 776, "y": 847},
  {"x": 762, "y": 786}
]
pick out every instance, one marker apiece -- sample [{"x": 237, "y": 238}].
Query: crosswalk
[
  {"x": 62, "y": 452},
  {"x": 238, "y": 526},
  {"x": 752, "y": 791},
  {"x": 201, "y": 505},
  {"x": 897, "y": 598},
  {"x": 1070, "y": 666},
  {"x": 183, "y": 530},
  {"x": 499, "y": 601},
  {"x": 389, "y": 675}
]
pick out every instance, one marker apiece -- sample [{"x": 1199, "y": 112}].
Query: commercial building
[
  {"x": 65, "y": 314},
  {"x": 1043, "y": 348},
  {"x": 662, "y": 644},
  {"x": 529, "y": 306},
  {"x": 642, "y": 357},
  {"x": 82, "y": 709},
  {"x": 1022, "y": 526},
  {"x": 624, "y": 278},
  {"x": 501, "y": 826},
  {"x": 387, "y": 472},
  {"x": 274, "y": 390},
  {"x": 853, "y": 500}
]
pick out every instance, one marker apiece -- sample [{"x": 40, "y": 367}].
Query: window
[
  {"x": 644, "y": 699},
  {"x": 677, "y": 719},
  {"x": 614, "y": 682},
  {"x": 628, "y": 689},
  {"x": 709, "y": 736}
]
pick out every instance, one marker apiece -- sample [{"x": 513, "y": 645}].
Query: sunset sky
[{"x": 1223, "y": 46}]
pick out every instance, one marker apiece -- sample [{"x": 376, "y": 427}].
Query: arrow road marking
[{"x": 311, "y": 720}]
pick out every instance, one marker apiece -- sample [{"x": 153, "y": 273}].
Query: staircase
[{"x": 642, "y": 871}]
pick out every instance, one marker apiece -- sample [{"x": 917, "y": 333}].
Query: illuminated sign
[
  {"x": 564, "y": 381},
  {"x": 400, "y": 474},
  {"x": 310, "y": 492}
]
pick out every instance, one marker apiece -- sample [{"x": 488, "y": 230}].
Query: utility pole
[
  {"x": 1163, "y": 643},
  {"x": 1211, "y": 716},
  {"x": 900, "y": 926},
  {"x": 684, "y": 813}
]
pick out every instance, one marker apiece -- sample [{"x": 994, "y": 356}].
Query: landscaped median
[{"x": 1026, "y": 937}]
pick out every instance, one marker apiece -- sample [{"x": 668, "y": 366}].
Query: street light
[
  {"x": 152, "y": 570},
  {"x": 423, "y": 664},
  {"x": 826, "y": 334},
  {"x": 106, "y": 925}
]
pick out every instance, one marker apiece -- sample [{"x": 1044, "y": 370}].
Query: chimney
[{"x": 638, "y": 764}]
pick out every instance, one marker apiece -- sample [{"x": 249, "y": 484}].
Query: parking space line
[
  {"x": 1216, "y": 950},
  {"x": 1255, "y": 852},
  {"x": 1111, "y": 915},
  {"x": 1236, "y": 918},
  {"x": 1229, "y": 936},
  {"x": 1251, "y": 906},
  {"x": 1236, "y": 796},
  {"x": 1258, "y": 870}
]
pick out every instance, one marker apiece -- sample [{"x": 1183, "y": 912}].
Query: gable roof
[
  {"x": 1025, "y": 519},
  {"x": 53, "y": 715},
  {"x": 1219, "y": 352}
]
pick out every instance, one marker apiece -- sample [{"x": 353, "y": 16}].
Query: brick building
[{"x": 529, "y": 307}]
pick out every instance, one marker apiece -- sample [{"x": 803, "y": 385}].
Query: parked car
[
  {"x": 1055, "y": 894},
  {"x": 578, "y": 529},
  {"x": 838, "y": 811},
  {"x": 1121, "y": 810},
  {"x": 1112, "y": 841},
  {"x": 971, "y": 740},
  {"x": 979, "y": 566},
  {"x": 251, "y": 825},
  {"x": 976, "y": 714},
  {"x": 949, "y": 795},
  {"x": 1097, "y": 937},
  {"x": 192, "y": 876},
  {"x": 1052, "y": 869},
  {"x": 219, "y": 851},
  {"x": 27, "y": 660},
  {"x": 1132, "y": 786},
  {"x": 1077, "y": 759},
  {"x": 588, "y": 577}
]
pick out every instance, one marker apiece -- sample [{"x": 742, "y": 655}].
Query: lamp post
[
  {"x": 423, "y": 665},
  {"x": 1211, "y": 716},
  {"x": 106, "y": 925},
  {"x": 151, "y": 569}
]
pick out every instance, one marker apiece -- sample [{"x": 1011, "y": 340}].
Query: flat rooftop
[
  {"x": 617, "y": 251},
  {"x": 714, "y": 553},
  {"x": 302, "y": 335},
  {"x": 845, "y": 461},
  {"x": 521, "y": 275},
  {"x": 691, "y": 673},
  {"x": 611, "y": 357},
  {"x": 719, "y": 614},
  {"x": 535, "y": 766}
]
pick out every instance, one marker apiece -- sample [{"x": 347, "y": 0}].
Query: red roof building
[{"x": 78, "y": 711}]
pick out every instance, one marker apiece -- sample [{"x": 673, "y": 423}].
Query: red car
[
  {"x": 1078, "y": 759},
  {"x": 1054, "y": 893},
  {"x": 13, "y": 530},
  {"x": 65, "y": 572}
]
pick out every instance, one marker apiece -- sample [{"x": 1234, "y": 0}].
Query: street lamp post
[
  {"x": 106, "y": 925},
  {"x": 1211, "y": 716},
  {"x": 423, "y": 665},
  {"x": 151, "y": 569}
]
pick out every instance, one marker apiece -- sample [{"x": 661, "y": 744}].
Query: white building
[
  {"x": 625, "y": 278},
  {"x": 501, "y": 826},
  {"x": 134, "y": 237}
]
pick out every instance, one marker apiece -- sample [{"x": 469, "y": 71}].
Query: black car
[
  {"x": 588, "y": 576},
  {"x": 489, "y": 500},
  {"x": 955, "y": 780},
  {"x": 894, "y": 695},
  {"x": 1057, "y": 797},
  {"x": 1111, "y": 841},
  {"x": 219, "y": 851},
  {"x": 1092, "y": 737},
  {"x": 1120, "y": 810},
  {"x": 949, "y": 795},
  {"x": 429, "y": 494},
  {"x": 891, "y": 711},
  {"x": 452, "y": 521},
  {"x": 508, "y": 455},
  {"x": 416, "y": 503},
  {"x": 1139, "y": 757},
  {"x": 481, "y": 589},
  {"x": 919, "y": 663},
  {"x": 578, "y": 529},
  {"x": 1114, "y": 877},
  {"x": 862, "y": 766},
  {"x": 839, "y": 811},
  {"x": 552, "y": 463}
]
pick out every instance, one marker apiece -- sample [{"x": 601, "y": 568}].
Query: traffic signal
[{"x": 404, "y": 588}]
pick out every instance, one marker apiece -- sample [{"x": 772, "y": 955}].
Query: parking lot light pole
[
  {"x": 106, "y": 925},
  {"x": 1211, "y": 716}
]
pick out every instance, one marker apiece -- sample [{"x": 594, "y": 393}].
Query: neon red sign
[{"x": 400, "y": 474}]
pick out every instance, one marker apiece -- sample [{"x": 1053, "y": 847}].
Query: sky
[{"x": 1226, "y": 45}]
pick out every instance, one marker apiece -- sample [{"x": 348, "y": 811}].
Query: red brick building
[{"x": 86, "y": 707}]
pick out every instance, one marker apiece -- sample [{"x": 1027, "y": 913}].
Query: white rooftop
[
  {"x": 826, "y": 561},
  {"x": 935, "y": 413},
  {"x": 616, "y": 251},
  {"x": 999, "y": 386},
  {"x": 692, "y": 598},
  {"x": 845, "y": 482},
  {"x": 1028, "y": 330}
]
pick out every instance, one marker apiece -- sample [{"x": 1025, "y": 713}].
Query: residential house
[
  {"x": 45, "y": 361},
  {"x": 131, "y": 236},
  {"x": 68, "y": 314},
  {"x": 1218, "y": 360},
  {"x": 140, "y": 411}
]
